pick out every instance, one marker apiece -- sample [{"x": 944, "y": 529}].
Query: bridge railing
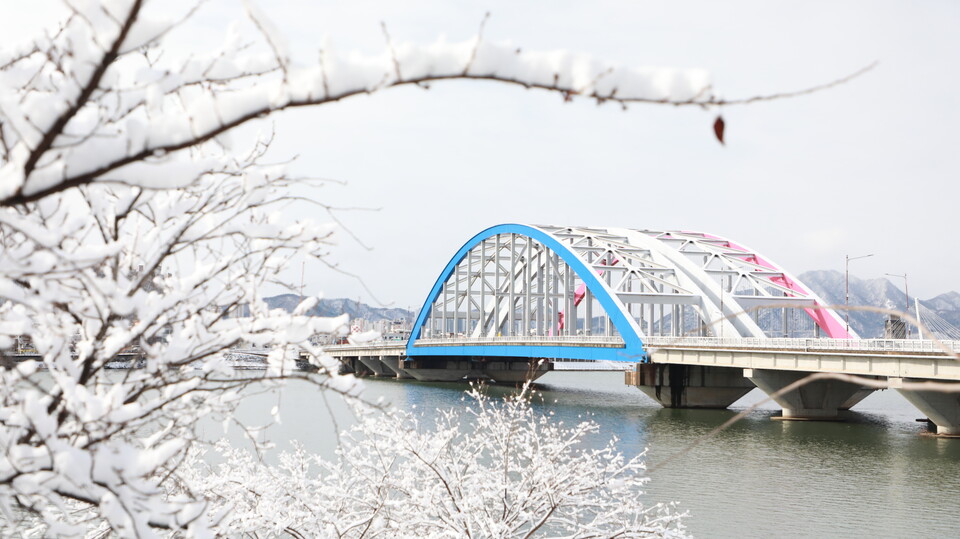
[
  {"x": 840, "y": 345},
  {"x": 859, "y": 345},
  {"x": 537, "y": 340}
]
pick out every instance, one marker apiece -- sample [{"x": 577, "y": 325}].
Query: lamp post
[
  {"x": 906, "y": 291},
  {"x": 846, "y": 280}
]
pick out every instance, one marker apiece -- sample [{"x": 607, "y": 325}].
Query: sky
[{"x": 868, "y": 167}]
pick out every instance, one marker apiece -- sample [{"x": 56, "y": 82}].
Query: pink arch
[{"x": 830, "y": 325}]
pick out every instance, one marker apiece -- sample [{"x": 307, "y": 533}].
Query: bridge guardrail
[
  {"x": 571, "y": 340},
  {"x": 853, "y": 345},
  {"x": 806, "y": 344}
]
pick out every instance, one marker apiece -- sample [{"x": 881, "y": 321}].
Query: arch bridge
[
  {"x": 600, "y": 293},
  {"x": 705, "y": 318}
]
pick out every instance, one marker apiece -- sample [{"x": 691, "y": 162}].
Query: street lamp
[
  {"x": 906, "y": 291},
  {"x": 846, "y": 280}
]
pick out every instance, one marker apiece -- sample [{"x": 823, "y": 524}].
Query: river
[{"x": 874, "y": 475}]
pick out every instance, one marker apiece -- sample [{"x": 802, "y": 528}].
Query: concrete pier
[
  {"x": 820, "y": 399},
  {"x": 395, "y": 365},
  {"x": 353, "y": 365},
  {"x": 943, "y": 409},
  {"x": 684, "y": 386},
  {"x": 516, "y": 371},
  {"x": 441, "y": 369},
  {"x": 376, "y": 366},
  {"x": 500, "y": 370}
]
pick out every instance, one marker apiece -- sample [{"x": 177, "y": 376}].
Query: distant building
[{"x": 894, "y": 328}]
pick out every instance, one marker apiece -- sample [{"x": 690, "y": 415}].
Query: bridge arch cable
[{"x": 937, "y": 326}]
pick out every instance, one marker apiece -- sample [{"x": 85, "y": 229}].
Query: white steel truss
[
  {"x": 510, "y": 285},
  {"x": 669, "y": 283}
]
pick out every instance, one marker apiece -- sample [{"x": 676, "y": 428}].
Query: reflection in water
[{"x": 872, "y": 475}]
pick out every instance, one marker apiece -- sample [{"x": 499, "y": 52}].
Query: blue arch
[{"x": 633, "y": 346}]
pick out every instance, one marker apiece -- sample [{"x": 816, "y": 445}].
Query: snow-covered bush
[
  {"x": 491, "y": 469},
  {"x": 130, "y": 224}
]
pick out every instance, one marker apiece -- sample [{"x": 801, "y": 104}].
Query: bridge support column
[
  {"x": 516, "y": 372},
  {"x": 353, "y": 365},
  {"x": 345, "y": 366},
  {"x": 375, "y": 365},
  {"x": 689, "y": 386},
  {"x": 820, "y": 399},
  {"x": 440, "y": 369},
  {"x": 395, "y": 365},
  {"x": 943, "y": 409}
]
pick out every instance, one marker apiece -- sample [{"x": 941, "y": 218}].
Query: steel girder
[
  {"x": 754, "y": 279},
  {"x": 594, "y": 293},
  {"x": 514, "y": 283}
]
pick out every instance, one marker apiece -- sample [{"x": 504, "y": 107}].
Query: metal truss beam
[{"x": 550, "y": 283}]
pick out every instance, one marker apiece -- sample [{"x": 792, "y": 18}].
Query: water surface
[{"x": 874, "y": 475}]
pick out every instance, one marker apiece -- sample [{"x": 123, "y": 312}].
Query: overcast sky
[{"x": 868, "y": 167}]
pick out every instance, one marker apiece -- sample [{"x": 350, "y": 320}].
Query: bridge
[{"x": 704, "y": 319}]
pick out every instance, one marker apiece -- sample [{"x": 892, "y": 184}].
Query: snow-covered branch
[
  {"x": 494, "y": 469},
  {"x": 108, "y": 110},
  {"x": 150, "y": 265}
]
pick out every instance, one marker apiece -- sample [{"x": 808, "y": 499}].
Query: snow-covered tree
[
  {"x": 129, "y": 223},
  {"x": 491, "y": 469}
]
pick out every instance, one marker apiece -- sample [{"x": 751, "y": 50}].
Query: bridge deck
[
  {"x": 870, "y": 357},
  {"x": 850, "y": 346}
]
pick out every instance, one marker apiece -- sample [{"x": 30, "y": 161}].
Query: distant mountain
[
  {"x": 338, "y": 306},
  {"x": 829, "y": 285},
  {"x": 946, "y": 305}
]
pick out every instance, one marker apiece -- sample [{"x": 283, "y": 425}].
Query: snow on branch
[
  {"x": 494, "y": 469},
  {"x": 105, "y": 105},
  {"x": 158, "y": 267}
]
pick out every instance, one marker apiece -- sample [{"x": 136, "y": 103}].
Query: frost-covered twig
[
  {"x": 399, "y": 476},
  {"x": 128, "y": 139}
]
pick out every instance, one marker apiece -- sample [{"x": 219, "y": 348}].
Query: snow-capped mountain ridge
[
  {"x": 880, "y": 292},
  {"x": 338, "y": 306},
  {"x": 828, "y": 284}
]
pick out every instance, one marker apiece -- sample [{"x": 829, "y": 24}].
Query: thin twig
[
  {"x": 476, "y": 46},
  {"x": 393, "y": 52}
]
